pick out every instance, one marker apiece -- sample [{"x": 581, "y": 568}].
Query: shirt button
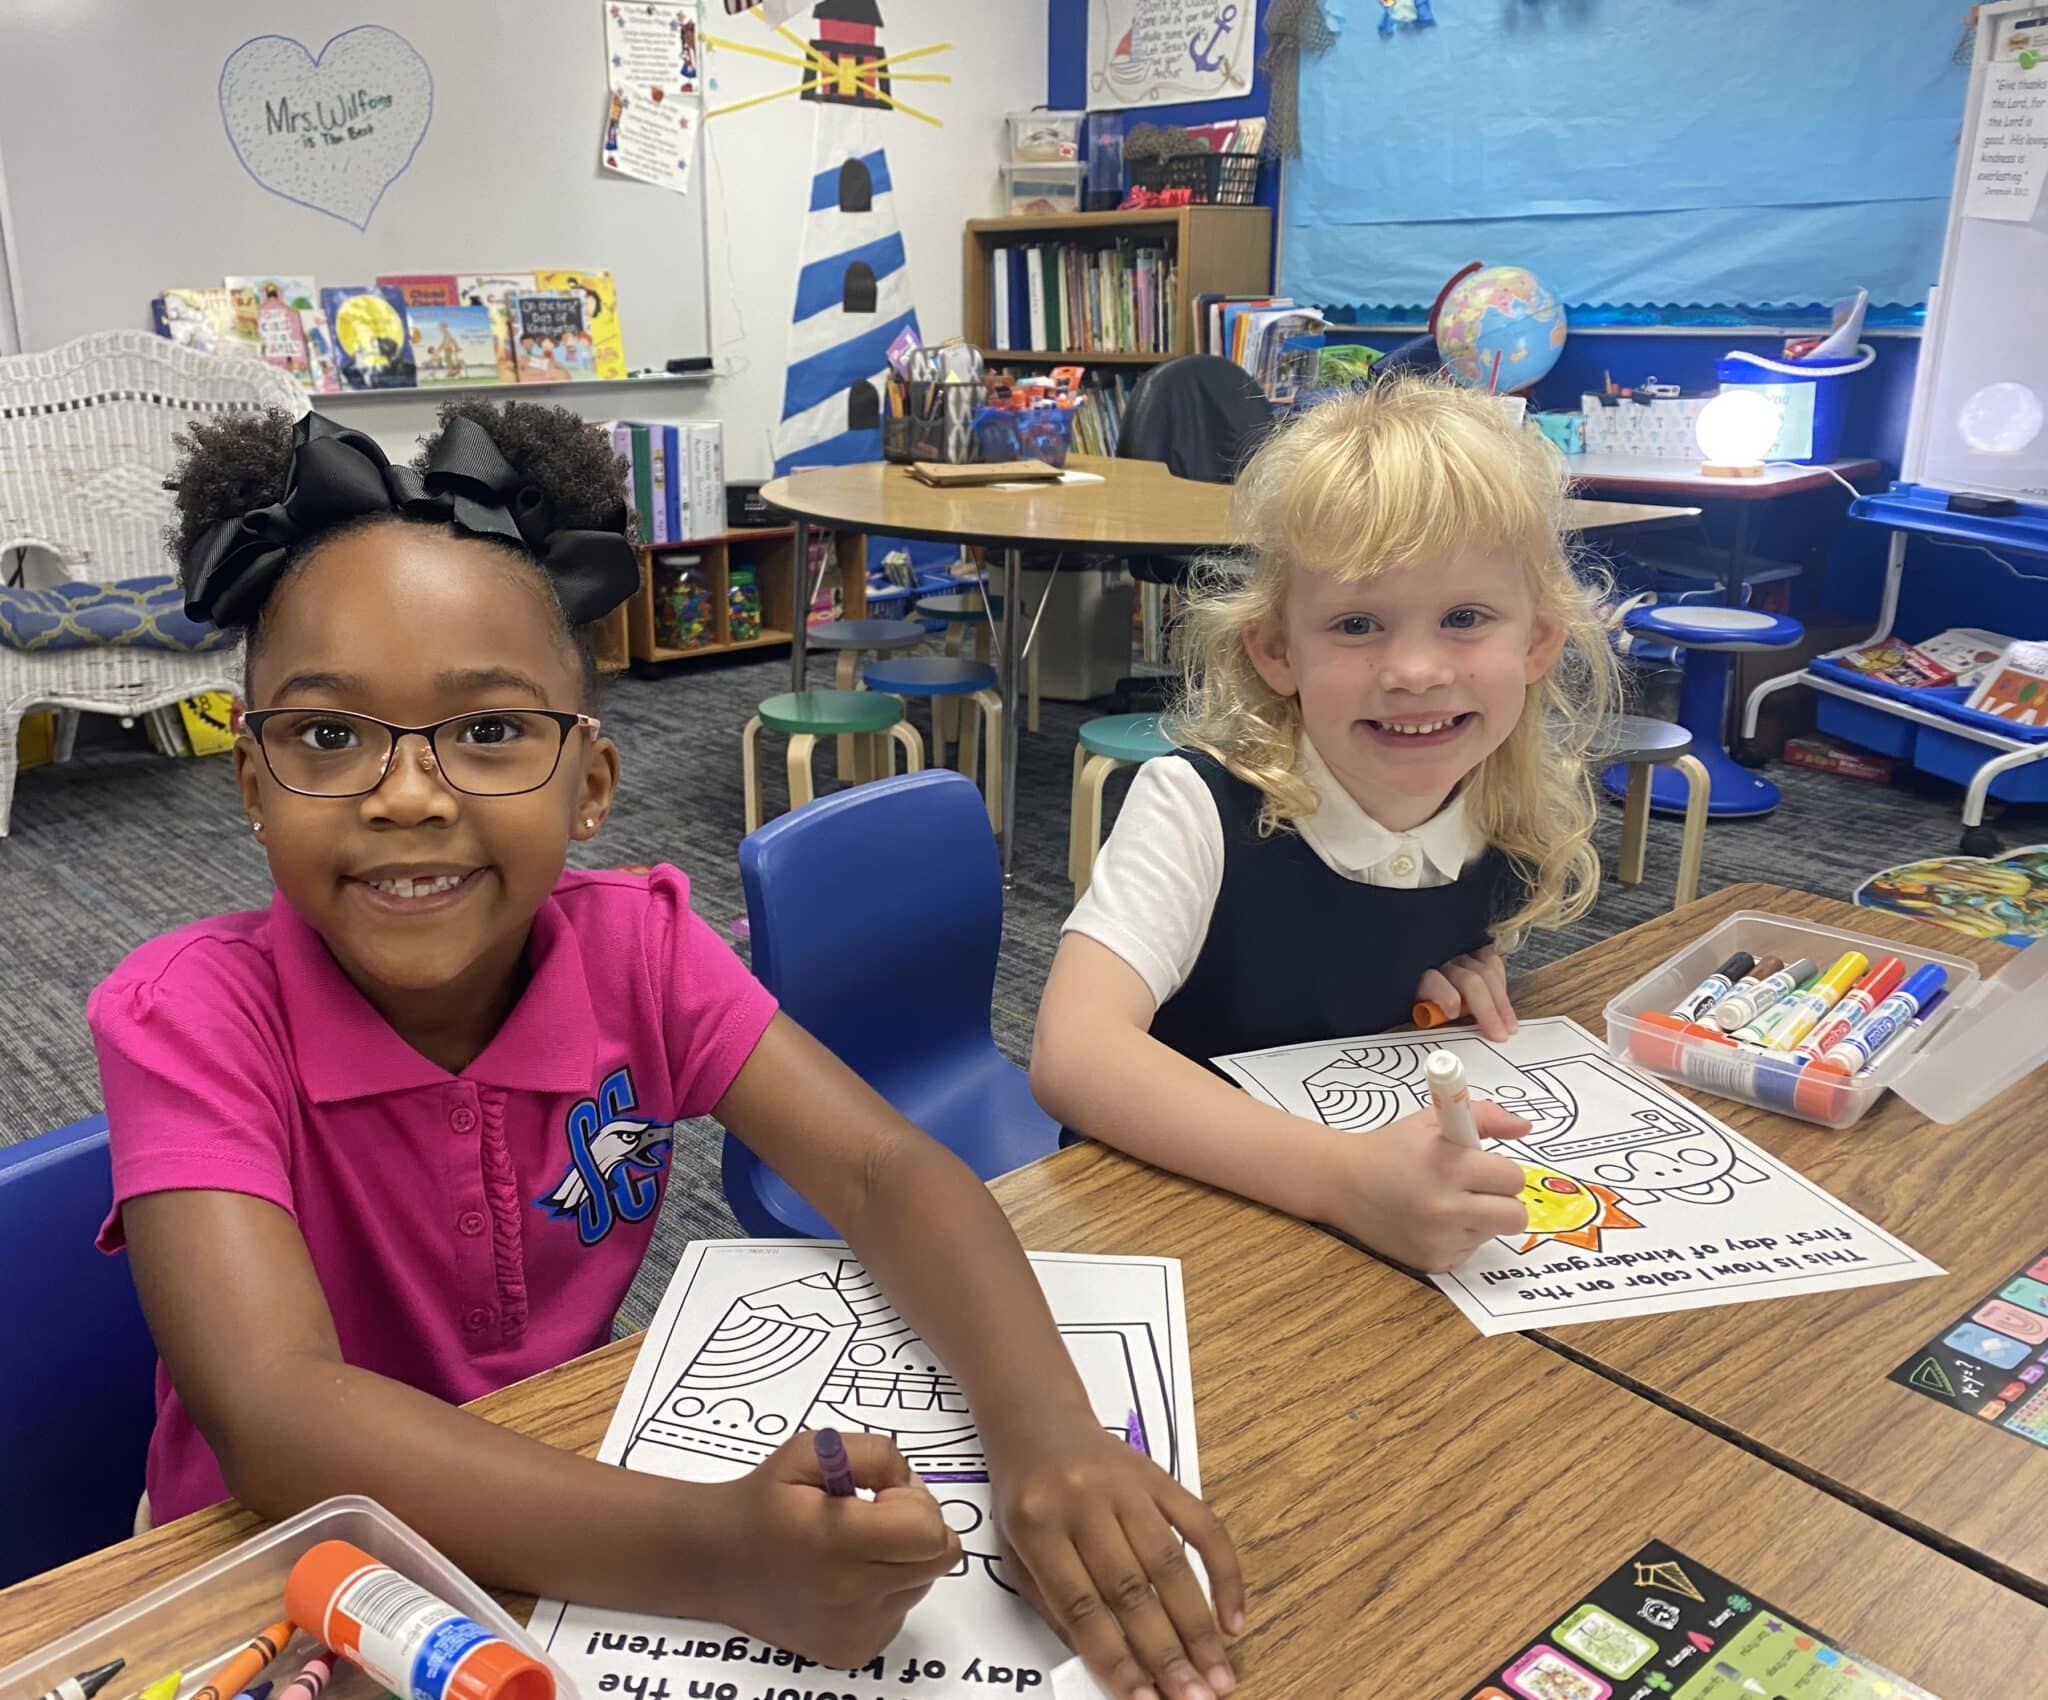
[
  {"x": 1402, "y": 865},
  {"x": 476, "y": 1319},
  {"x": 471, "y": 1222},
  {"x": 462, "y": 1118}
]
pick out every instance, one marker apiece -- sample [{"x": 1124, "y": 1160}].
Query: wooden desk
[
  {"x": 1803, "y": 1381},
  {"x": 1130, "y": 507},
  {"x": 1411, "y": 1501},
  {"x": 1643, "y": 475}
]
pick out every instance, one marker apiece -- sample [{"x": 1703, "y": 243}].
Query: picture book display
[
  {"x": 205, "y": 320},
  {"x": 371, "y": 342},
  {"x": 759, "y": 1340},
  {"x": 1665, "y": 1627},
  {"x": 1638, "y": 1200},
  {"x": 2015, "y": 687},
  {"x": 454, "y": 345},
  {"x": 270, "y": 312},
  {"x": 550, "y": 344},
  {"x": 1993, "y": 1363},
  {"x": 600, "y": 297}
]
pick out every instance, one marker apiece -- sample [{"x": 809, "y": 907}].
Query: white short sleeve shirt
[{"x": 1155, "y": 883}]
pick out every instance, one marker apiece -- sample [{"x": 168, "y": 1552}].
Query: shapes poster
[
  {"x": 1639, "y": 1201},
  {"x": 330, "y": 130},
  {"x": 758, "y": 1340},
  {"x": 1167, "y": 52},
  {"x": 1665, "y": 1627},
  {"x": 1993, "y": 1363}
]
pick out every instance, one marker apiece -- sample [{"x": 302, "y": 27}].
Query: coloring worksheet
[
  {"x": 757, "y": 1340},
  {"x": 1638, "y": 1200}
]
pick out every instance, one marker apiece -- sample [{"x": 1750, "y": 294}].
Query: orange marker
[
  {"x": 1428, "y": 1014},
  {"x": 240, "y": 1671}
]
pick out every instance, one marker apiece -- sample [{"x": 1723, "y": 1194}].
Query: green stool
[
  {"x": 1107, "y": 743},
  {"x": 807, "y": 716},
  {"x": 960, "y": 612}
]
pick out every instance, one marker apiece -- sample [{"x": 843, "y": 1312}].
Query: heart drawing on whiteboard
[{"x": 330, "y": 130}]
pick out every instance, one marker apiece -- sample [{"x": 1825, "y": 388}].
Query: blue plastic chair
[
  {"x": 77, "y": 1367},
  {"x": 901, "y": 998}
]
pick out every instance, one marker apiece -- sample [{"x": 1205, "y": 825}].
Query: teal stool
[
  {"x": 952, "y": 681},
  {"x": 965, "y": 611},
  {"x": 1107, "y": 743},
  {"x": 807, "y": 716}
]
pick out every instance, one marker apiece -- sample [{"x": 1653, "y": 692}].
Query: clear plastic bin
[
  {"x": 1838, "y": 1101},
  {"x": 194, "y": 1623},
  {"x": 1040, "y": 190},
  {"x": 1046, "y": 135}
]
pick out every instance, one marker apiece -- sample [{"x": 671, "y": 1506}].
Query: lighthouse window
[
  {"x": 863, "y": 408},
  {"x": 858, "y": 295},
  {"x": 856, "y": 188}
]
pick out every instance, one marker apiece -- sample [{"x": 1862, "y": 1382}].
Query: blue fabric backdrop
[{"x": 1657, "y": 151}]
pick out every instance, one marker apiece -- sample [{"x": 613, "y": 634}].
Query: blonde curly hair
[{"x": 1374, "y": 482}]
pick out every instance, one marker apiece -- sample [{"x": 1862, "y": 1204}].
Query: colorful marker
[
  {"x": 1765, "y": 967},
  {"x": 87, "y": 1683},
  {"x": 1759, "y": 1031},
  {"x": 308, "y": 1683},
  {"x": 833, "y": 1463},
  {"x": 233, "y": 1675},
  {"x": 1734, "y": 1072},
  {"x": 164, "y": 1688},
  {"x": 1857, "y": 1002},
  {"x": 1803, "y": 1014},
  {"x": 1713, "y": 988},
  {"x": 1886, "y": 1022},
  {"x": 1743, "y": 1006},
  {"x": 1427, "y": 1014},
  {"x": 1451, "y": 1098}
]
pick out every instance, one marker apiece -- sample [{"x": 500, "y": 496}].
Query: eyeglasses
[{"x": 495, "y": 752}]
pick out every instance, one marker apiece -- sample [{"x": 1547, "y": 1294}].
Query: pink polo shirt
[{"x": 467, "y": 1229}]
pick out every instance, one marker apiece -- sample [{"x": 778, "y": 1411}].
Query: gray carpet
[{"x": 122, "y": 844}]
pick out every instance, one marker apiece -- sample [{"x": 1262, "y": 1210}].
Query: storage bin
[
  {"x": 194, "y": 1623},
  {"x": 1211, "y": 179},
  {"x": 1046, "y": 135},
  {"x": 1043, "y": 189},
  {"x": 1812, "y": 396}
]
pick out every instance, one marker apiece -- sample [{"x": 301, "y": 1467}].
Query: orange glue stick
[{"x": 405, "y": 1638}]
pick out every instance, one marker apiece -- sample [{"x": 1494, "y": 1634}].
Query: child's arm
[
  {"x": 1405, "y": 1191},
  {"x": 1097, "y": 1526},
  {"x": 242, "y": 1325},
  {"x": 1474, "y": 985}
]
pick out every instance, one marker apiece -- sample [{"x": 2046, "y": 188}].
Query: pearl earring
[
  {"x": 256, "y": 826},
  {"x": 589, "y": 825}
]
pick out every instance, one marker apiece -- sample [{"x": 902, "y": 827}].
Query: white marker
[{"x": 1452, "y": 1098}]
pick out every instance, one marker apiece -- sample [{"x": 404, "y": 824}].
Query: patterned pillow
[{"x": 141, "y": 613}]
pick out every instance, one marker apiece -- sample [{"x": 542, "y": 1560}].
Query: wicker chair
[{"x": 85, "y": 446}]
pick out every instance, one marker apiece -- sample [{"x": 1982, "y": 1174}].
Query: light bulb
[
  {"x": 1735, "y": 429},
  {"x": 2000, "y": 419}
]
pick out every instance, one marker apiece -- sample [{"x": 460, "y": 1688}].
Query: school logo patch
[{"x": 615, "y": 1162}]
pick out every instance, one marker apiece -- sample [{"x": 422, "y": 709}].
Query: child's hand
[
  {"x": 1475, "y": 985},
  {"x": 1425, "y": 1201},
  {"x": 833, "y": 1579},
  {"x": 1094, "y": 1532}
]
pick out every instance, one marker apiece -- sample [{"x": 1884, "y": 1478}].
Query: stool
[
  {"x": 1642, "y": 745},
  {"x": 960, "y": 612},
  {"x": 807, "y": 716},
  {"x": 1107, "y": 743},
  {"x": 1708, "y": 636},
  {"x": 853, "y": 638},
  {"x": 946, "y": 678}
]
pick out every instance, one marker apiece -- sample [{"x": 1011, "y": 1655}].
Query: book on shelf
[
  {"x": 1969, "y": 652},
  {"x": 2016, "y": 686},
  {"x": 423, "y": 289},
  {"x": 634, "y": 445},
  {"x": 270, "y": 312},
  {"x": 205, "y": 319},
  {"x": 706, "y": 479},
  {"x": 1896, "y": 662},
  {"x": 1117, "y": 298},
  {"x": 600, "y": 297},
  {"x": 371, "y": 342},
  {"x": 550, "y": 343},
  {"x": 495, "y": 291}
]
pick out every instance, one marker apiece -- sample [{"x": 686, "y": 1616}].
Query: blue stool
[
  {"x": 945, "y": 678},
  {"x": 1106, "y": 743},
  {"x": 1708, "y": 636}
]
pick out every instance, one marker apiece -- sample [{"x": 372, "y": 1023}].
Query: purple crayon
[
  {"x": 833, "y": 1463},
  {"x": 311, "y": 1680}
]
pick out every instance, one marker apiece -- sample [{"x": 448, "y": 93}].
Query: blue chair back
[
  {"x": 876, "y": 916},
  {"x": 77, "y": 1367}
]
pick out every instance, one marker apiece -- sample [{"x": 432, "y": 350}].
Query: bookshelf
[
  {"x": 627, "y": 637},
  {"x": 1217, "y": 251}
]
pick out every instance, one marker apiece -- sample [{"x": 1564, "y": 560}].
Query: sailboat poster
[{"x": 1165, "y": 52}]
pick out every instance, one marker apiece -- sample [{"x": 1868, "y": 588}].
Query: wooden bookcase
[
  {"x": 770, "y": 552},
  {"x": 1218, "y": 251}
]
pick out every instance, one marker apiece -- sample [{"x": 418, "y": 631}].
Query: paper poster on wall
[
  {"x": 1638, "y": 1200},
  {"x": 1162, "y": 52},
  {"x": 652, "y": 47},
  {"x": 330, "y": 130},
  {"x": 649, "y": 140},
  {"x": 759, "y": 1340},
  {"x": 654, "y": 57},
  {"x": 2009, "y": 149}
]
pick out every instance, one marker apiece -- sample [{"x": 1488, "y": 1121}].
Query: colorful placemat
[
  {"x": 2003, "y": 898},
  {"x": 1993, "y": 1363}
]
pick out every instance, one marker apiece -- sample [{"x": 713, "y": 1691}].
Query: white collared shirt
[{"x": 1155, "y": 883}]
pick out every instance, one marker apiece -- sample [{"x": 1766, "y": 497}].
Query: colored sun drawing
[{"x": 1572, "y": 1212}]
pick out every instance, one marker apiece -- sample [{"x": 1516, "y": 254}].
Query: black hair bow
[{"x": 339, "y": 475}]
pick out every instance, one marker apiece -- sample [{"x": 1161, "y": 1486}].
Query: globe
[{"x": 1499, "y": 313}]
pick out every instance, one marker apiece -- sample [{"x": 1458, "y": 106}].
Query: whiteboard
[
  {"x": 1984, "y": 358},
  {"x": 120, "y": 178}
]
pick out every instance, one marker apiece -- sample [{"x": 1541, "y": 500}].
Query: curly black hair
[{"x": 241, "y": 461}]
